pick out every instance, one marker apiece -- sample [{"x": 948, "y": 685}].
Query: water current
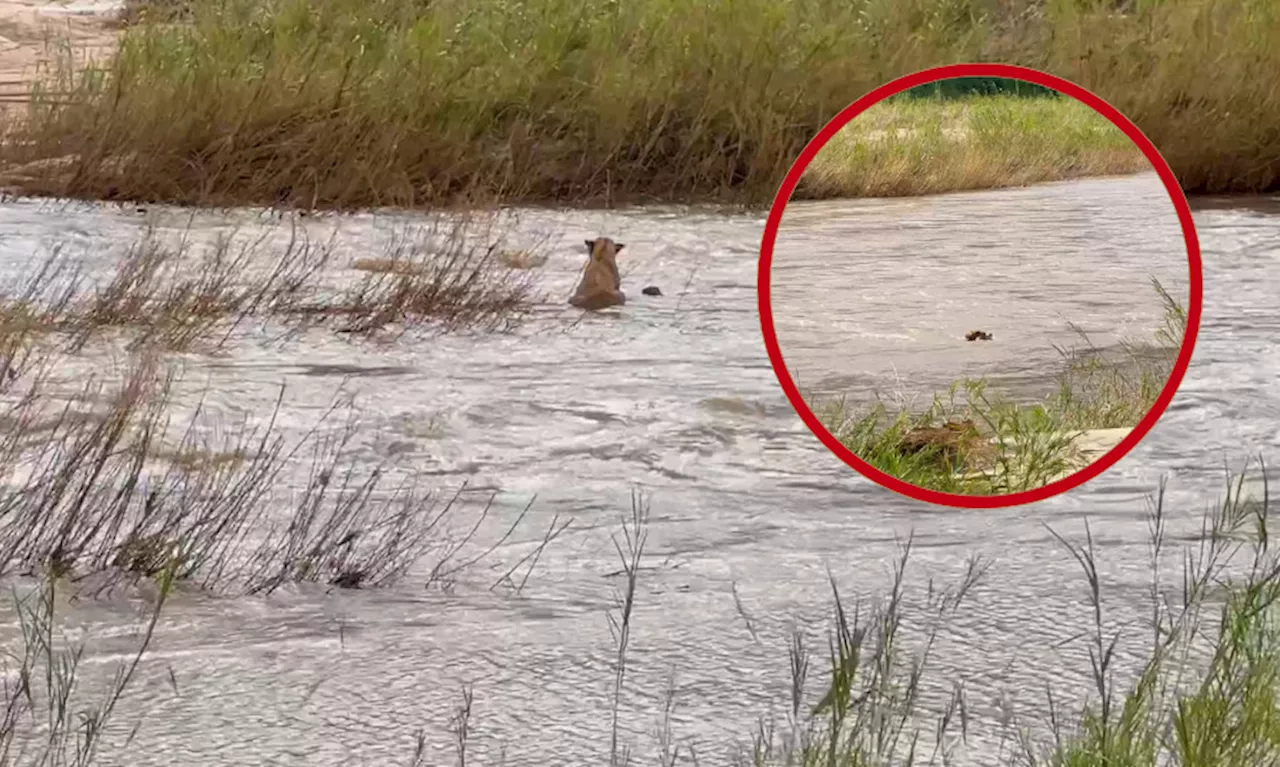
[{"x": 674, "y": 396}]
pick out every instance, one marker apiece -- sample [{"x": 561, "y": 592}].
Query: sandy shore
[
  {"x": 1094, "y": 444},
  {"x": 1089, "y": 445},
  {"x": 34, "y": 32}
]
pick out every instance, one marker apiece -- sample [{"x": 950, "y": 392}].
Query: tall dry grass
[
  {"x": 180, "y": 296},
  {"x": 106, "y": 486},
  {"x": 904, "y": 147},
  {"x": 342, "y": 104}
]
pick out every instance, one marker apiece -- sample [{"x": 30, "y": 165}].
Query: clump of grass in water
[
  {"x": 85, "y": 499},
  {"x": 1000, "y": 447},
  {"x": 876, "y": 437},
  {"x": 29, "y": 313},
  {"x": 167, "y": 300},
  {"x": 1096, "y": 393},
  {"x": 348, "y": 104},
  {"x": 169, "y": 296},
  {"x": 1011, "y": 446},
  {"x": 457, "y": 286}
]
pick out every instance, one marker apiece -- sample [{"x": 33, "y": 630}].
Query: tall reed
[{"x": 344, "y": 104}]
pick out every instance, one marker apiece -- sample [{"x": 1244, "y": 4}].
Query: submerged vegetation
[
  {"x": 343, "y": 104},
  {"x": 974, "y": 442},
  {"x": 116, "y": 478},
  {"x": 171, "y": 294}
]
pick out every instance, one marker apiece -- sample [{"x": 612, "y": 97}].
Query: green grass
[
  {"x": 966, "y": 87},
  {"x": 903, "y": 147},
  {"x": 346, "y": 104},
  {"x": 1223, "y": 712},
  {"x": 1011, "y": 447},
  {"x": 1015, "y": 446}
]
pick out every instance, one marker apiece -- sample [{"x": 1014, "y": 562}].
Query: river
[{"x": 674, "y": 396}]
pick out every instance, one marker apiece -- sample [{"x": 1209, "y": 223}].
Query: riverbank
[
  {"x": 348, "y": 106},
  {"x": 972, "y": 441},
  {"x": 37, "y": 37},
  {"x": 906, "y": 147}
]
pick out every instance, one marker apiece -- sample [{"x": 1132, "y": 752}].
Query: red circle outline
[{"x": 1184, "y": 218}]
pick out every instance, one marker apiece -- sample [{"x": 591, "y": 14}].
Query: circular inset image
[{"x": 974, "y": 285}]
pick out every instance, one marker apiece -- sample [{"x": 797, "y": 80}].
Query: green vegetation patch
[{"x": 975, "y": 442}]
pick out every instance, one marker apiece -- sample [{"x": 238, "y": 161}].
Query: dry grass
[
  {"x": 86, "y": 499},
  {"x": 341, "y": 104},
  {"x": 522, "y": 259},
  {"x": 907, "y": 147},
  {"x": 386, "y": 266},
  {"x": 181, "y": 297},
  {"x": 456, "y": 286}
]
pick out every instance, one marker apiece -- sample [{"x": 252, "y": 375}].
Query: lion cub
[{"x": 599, "y": 288}]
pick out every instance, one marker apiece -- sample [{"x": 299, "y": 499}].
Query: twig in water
[
  {"x": 553, "y": 531},
  {"x": 461, "y": 725},
  {"x": 742, "y": 612},
  {"x": 634, "y": 532}
]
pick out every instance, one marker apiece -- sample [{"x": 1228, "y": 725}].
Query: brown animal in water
[
  {"x": 601, "y": 282},
  {"x": 977, "y": 335},
  {"x": 955, "y": 441}
]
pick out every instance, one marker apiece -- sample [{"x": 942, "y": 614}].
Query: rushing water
[
  {"x": 675, "y": 395},
  {"x": 868, "y": 302}
]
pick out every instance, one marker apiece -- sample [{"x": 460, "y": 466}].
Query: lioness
[{"x": 601, "y": 282}]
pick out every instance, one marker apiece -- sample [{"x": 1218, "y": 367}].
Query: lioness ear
[
  {"x": 617, "y": 247},
  {"x": 591, "y": 245}
]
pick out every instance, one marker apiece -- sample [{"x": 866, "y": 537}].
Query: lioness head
[{"x": 604, "y": 247}]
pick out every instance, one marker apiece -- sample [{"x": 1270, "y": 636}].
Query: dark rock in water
[
  {"x": 977, "y": 335},
  {"x": 652, "y": 290}
]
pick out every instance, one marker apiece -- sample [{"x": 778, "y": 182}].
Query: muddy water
[
  {"x": 868, "y": 303},
  {"x": 675, "y": 396}
]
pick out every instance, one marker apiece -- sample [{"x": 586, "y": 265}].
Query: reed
[
  {"x": 343, "y": 104},
  {"x": 182, "y": 297},
  {"x": 859, "y": 702},
  {"x": 113, "y": 492}
]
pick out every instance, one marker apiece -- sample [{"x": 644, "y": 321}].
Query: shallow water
[
  {"x": 675, "y": 396},
  {"x": 867, "y": 303}
]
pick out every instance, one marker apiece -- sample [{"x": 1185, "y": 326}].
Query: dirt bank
[{"x": 34, "y": 33}]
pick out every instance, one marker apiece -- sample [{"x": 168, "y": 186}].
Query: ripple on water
[{"x": 674, "y": 396}]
